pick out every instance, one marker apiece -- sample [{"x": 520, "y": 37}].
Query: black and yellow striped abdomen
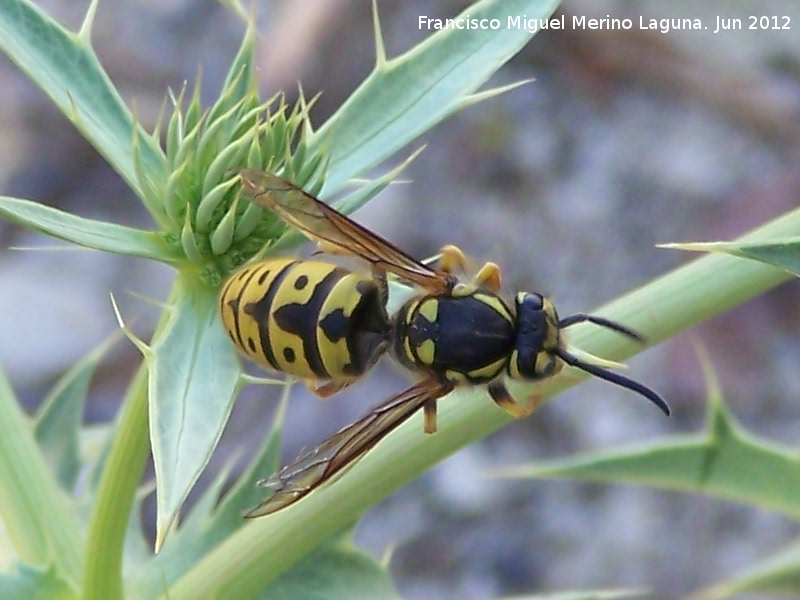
[
  {"x": 468, "y": 336},
  {"x": 307, "y": 318}
]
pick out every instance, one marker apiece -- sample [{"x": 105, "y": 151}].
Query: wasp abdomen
[{"x": 310, "y": 319}]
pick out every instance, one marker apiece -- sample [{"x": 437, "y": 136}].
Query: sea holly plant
[
  {"x": 185, "y": 173},
  {"x": 81, "y": 536}
]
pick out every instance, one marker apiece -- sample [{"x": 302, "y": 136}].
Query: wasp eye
[{"x": 530, "y": 301}]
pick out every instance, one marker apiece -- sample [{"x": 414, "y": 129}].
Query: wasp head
[{"x": 537, "y": 341}]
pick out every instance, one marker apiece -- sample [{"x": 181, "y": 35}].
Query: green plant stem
[
  {"x": 116, "y": 494},
  {"x": 118, "y": 485},
  {"x": 256, "y": 554},
  {"x": 36, "y": 513}
]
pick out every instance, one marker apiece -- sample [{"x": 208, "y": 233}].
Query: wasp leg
[
  {"x": 383, "y": 285},
  {"x": 503, "y": 398},
  {"x": 429, "y": 410},
  {"x": 451, "y": 258},
  {"x": 328, "y": 388},
  {"x": 488, "y": 278}
]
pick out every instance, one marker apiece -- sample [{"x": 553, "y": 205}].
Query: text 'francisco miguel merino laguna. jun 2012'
[{"x": 663, "y": 25}]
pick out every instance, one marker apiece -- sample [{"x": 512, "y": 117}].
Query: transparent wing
[
  {"x": 342, "y": 450},
  {"x": 335, "y": 232}
]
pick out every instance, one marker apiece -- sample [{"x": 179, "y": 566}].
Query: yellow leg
[
  {"x": 488, "y": 278},
  {"x": 452, "y": 258},
  {"x": 327, "y": 389},
  {"x": 503, "y": 398}
]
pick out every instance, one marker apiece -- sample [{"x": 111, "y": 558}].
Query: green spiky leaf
[
  {"x": 783, "y": 253},
  {"x": 213, "y": 519},
  {"x": 725, "y": 462},
  {"x": 407, "y": 95},
  {"x": 63, "y": 64},
  {"x": 59, "y": 420},
  {"x": 193, "y": 379},
  {"x": 97, "y": 235},
  {"x": 34, "y": 510}
]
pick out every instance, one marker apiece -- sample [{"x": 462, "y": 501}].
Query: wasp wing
[
  {"x": 335, "y": 232},
  {"x": 343, "y": 449}
]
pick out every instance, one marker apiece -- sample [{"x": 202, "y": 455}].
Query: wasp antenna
[
  {"x": 616, "y": 379},
  {"x": 612, "y": 325}
]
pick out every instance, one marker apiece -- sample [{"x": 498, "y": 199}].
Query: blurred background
[{"x": 624, "y": 139}]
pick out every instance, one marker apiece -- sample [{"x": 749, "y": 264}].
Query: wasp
[{"x": 450, "y": 333}]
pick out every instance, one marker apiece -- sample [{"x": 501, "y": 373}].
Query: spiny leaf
[
  {"x": 64, "y": 65},
  {"x": 407, "y": 95},
  {"x": 59, "y": 420},
  {"x": 193, "y": 377},
  {"x": 90, "y": 233},
  {"x": 212, "y": 519},
  {"x": 783, "y": 253},
  {"x": 36, "y": 513},
  {"x": 724, "y": 462}
]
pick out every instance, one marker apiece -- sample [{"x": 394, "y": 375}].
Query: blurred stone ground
[{"x": 625, "y": 139}]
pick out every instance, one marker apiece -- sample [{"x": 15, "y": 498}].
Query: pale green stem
[
  {"x": 36, "y": 513},
  {"x": 115, "y": 497},
  {"x": 118, "y": 486},
  {"x": 246, "y": 562}
]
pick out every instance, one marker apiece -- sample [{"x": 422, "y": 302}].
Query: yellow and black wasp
[{"x": 292, "y": 316}]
